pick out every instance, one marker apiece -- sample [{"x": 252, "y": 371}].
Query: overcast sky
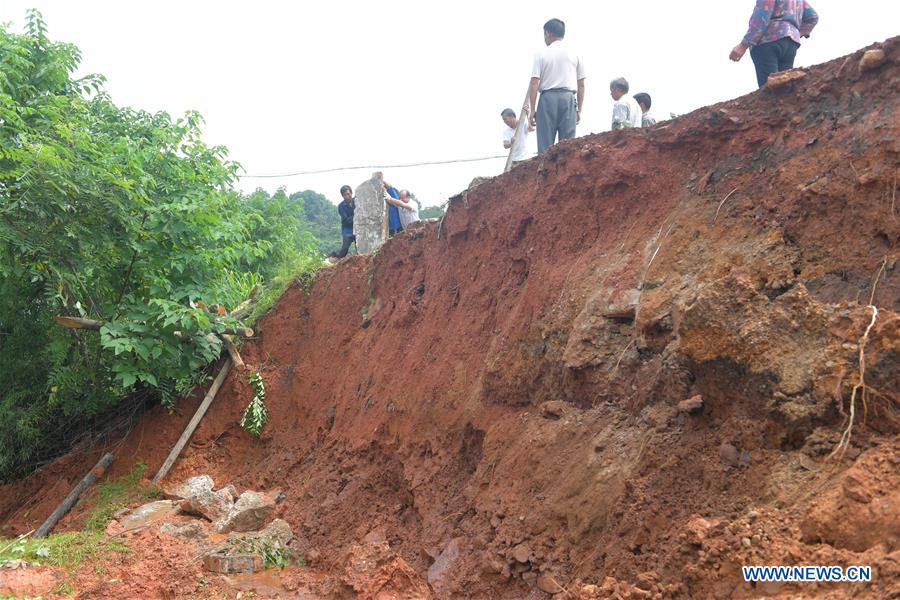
[{"x": 295, "y": 86}]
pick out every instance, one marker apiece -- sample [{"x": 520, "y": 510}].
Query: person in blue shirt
[
  {"x": 345, "y": 209},
  {"x": 392, "y": 197}
]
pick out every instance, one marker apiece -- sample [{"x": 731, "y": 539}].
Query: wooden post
[
  {"x": 195, "y": 420},
  {"x": 70, "y": 500},
  {"x": 233, "y": 351},
  {"x": 519, "y": 136}
]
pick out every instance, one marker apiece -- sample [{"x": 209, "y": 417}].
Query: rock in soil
[
  {"x": 554, "y": 409},
  {"x": 150, "y": 513},
  {"x": 194, "y": 530},
  {"x": 239, "y": 563},
  {"x": 211, "y": 505},
  {"x": 692, "y": 405},
  {"x": 444, "y": 562},
  {"x": 729, "y": 455},
  {"x": 249, "y": 513},
  {"x": 871, "y": 59},
  {"x": 522, "y": 553},
  {"x": 190, "y": 487}
]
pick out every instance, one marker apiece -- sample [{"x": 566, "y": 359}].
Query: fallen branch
[
  {"x": 240, "y": 331},
  {"x": 195, "y": 420},
  {"x": 93, "y": 325},
  {"x": 70, "y": 500},
  {"x": 242, "y": 310},
  {"x": 78, "y": 323},
  {"x": 859, "y": 387}
]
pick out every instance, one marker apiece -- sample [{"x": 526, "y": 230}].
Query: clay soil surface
[{"x": 489, "y": 407}]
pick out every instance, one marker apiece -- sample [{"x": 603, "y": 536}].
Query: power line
[{"x": 397, "y": 166}]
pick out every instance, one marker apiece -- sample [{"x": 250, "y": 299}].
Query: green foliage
[
  {"x": 155, "y": 345},
  {"x": 65, "y": 550},
  {"x": 118, "y": 215},
  {"x": 301, "y": 270},
  {"x": 272, "y": 551},
  {"x": 115, "y": 495},
  {"x": 303, "y": 223},
  {"x": 255, "y": 415},
  {"x": 432, "y": 212},
  {"x": 279, "y": 219},
  {"x": 321, "y": 220}
]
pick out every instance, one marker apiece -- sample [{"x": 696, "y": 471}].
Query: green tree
[
  {"x": 321, "y": 220},
  {"x": 280, "y": 220},
  {"x": 431, "y": 212},
  {"x": 118, "y": 215}
]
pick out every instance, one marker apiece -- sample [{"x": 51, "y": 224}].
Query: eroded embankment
[{"x": 491, "y": 404}]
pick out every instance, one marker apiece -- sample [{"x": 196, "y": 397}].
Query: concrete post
[{"x": 368, "y": 218}]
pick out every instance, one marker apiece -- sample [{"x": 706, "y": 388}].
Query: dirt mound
[{"x": 495, "y": 398}]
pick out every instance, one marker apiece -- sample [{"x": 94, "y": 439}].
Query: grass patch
[
  {"x": 65, "y": 550},
  {"x": 301, "y": 269},
  {"x": 273, "y": 553},
  {"x": 64, "y": 589},
  {"x": 115, "y": 495}
]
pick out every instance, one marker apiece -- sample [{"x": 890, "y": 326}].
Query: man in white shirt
[
  {"x": 626, "y": 112},
  {"x": 509, "y": 132},
  {"x": 558, "y": 74},
  {"x": 408, "y": 214}
]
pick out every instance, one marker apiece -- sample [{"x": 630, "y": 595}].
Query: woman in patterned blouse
[{"x": 773, "y": 37}]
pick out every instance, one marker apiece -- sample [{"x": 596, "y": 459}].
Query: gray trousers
[{"x": 555, "y": 114}]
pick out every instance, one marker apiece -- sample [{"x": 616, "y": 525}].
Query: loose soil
[{"x": 488, "y": 407}]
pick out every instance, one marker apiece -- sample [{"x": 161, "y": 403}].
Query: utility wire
[{"x": 397, "y": 166}]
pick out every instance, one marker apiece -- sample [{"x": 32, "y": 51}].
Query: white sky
[{"x": 291, "y": 86}]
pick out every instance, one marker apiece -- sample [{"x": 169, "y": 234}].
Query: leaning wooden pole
[
  {"x": 195, "y": 420},
  {"x": 519, "y": 135},
  {"x": 67, "y": 504}
]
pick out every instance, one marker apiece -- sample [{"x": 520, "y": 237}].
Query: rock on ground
[
  {"x": 150, "y": 513},
  {"x": 190, "y": 487},
  {"x": 211, "y": 505},
  {"x": 249, "y": 513}
]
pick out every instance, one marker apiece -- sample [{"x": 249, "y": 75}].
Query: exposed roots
[
  {"x": 878, "y": 275},
  {"x": 858, "y": 389},
  {"x": 718, "y": 208},
  {"x": 893, "y": 199},
  {"x": 652, "y": 258}
]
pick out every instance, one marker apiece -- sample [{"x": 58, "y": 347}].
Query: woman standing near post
[{"x": 776, "y": 27}]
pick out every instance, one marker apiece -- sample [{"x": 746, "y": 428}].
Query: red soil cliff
[{"x": 495, "y": 399}]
